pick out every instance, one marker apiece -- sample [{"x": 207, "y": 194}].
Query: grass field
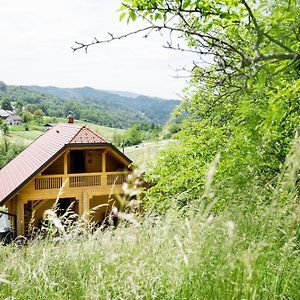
[
  {"x": 144, "y": 154},
  {"x": 236, "y": 254},
  {"x": 241, "y": 252}
]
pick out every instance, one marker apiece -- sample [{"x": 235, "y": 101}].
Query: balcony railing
[
  {"x": 47, "y": 183},
  {"x": 80, "y": 180},
  {"x": 115, "y": 179}
]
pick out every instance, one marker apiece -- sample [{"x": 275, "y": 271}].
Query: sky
[{"x": 36, "y": 39}]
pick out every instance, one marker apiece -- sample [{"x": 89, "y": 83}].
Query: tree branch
[{"x": 112, "y": 38}]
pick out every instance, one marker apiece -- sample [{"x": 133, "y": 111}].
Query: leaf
[
  {"x": 123, "y": 15},
  {"x": 158, "y": 16},
  {"x": 186, "y": 3},
  {"x": 132, "y": 15}
]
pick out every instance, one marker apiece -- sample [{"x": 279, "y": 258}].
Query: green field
[{"x": 144, "y": 154}]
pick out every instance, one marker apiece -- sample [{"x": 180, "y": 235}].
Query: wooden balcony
[
  {"x": 80, "y": 180},
  {"x": 71, "y": 185}
]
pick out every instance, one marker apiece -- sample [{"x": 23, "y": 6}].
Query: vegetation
[
  {"x": 8, "y": 151},
  {"x": 86, "y": 104},
  {"x": 231, "y": 232},
  {"x": 138, "y": 133},
  {"x": 145, "y": 155},
  {"x": 236, "y": 254},
  {"x": 6, "y": 103},
  {"x": 242, "y": 102}
]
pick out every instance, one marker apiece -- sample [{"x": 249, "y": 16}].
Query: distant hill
[
  {"x": 156, "y": 110},
  {"x": 97, "y": 106}
]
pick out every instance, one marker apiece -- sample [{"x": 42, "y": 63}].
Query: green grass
[
  {"x": 146, "y": 153},
  {"x": 229, "y": 256},
  {"x": 240, "y": 253}
]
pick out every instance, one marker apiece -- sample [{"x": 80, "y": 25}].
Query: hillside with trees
[
  {"x": 87, "y": 104},
  {"x": 154, "y": 110}
]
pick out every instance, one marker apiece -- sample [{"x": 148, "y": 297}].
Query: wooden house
[{"x": 69, "y": 162}]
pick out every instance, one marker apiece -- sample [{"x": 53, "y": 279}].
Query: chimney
[{"x": 70, "y": 118}]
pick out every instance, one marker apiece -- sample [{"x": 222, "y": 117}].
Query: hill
[
  {"x": 150, "y": 109},
  {"x": 91, "y": 105}
]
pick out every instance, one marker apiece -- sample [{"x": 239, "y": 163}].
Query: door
[{"x": 77, "y": 161}]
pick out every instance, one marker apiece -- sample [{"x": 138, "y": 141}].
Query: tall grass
[{"x": 237, "y": 254}]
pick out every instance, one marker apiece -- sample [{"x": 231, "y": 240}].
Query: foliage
[
  {"x": 38, "y": 116},
  {"x": 26, "y": 116},
  {"x": 2, "y": 87},
  {"x": 6, "y": 104},
  {"x": 237, "y": 254},
  {"x": 243, "y": 97},
  {"x": 8, "y": 151},
  {"x": 91, "y": 105},
  {"x": 133, "y": 136},
  {"x": 152, "y": 110},
  {"x": 5, "y": 128},
  {"x": 19, "y": 106},
  {"x": 138, "y": 133}
]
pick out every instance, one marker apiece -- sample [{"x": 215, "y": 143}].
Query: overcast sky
[{"x": 36, "y": 38}]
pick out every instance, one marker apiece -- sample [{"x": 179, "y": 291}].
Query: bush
[
  {"x": 8, "y": 151},
  {"x": 5, "y": 128}
]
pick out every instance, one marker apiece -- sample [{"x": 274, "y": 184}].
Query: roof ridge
[
  {"x": 91, "y": 131},
  {"x": 98, "y": 135},
  {"x": 82, "y": 126}
]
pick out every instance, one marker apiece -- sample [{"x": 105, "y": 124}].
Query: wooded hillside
[{"x": 92, "y": 105}]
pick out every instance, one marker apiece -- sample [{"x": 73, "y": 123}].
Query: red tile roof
[
  {"x": 40, "y": 152},
  {"x": 86, "y": 136}
]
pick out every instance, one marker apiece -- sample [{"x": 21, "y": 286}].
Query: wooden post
[
  {"x": 85, "y": 202},
  {"x": 20, "y": 216},
  {"x": 104, "y": 161},
  {"x": 80, "y": 205},
  {"x": 66, "y": 163},
  {"x": 104, "y": 176}
]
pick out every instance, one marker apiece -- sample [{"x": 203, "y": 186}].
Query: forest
[
  {"x": 87, "y": 104},
  {"x": 221, "y": 219}
]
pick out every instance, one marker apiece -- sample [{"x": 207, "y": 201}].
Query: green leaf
[
  {"x": 123, "y": 15},
  {"x": 132, "y": 15},
  {"x": 186, "y": 3},
  {"x": 158, "y": 16}
]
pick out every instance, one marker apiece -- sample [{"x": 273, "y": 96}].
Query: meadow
[{"x": 239, "y": 253}]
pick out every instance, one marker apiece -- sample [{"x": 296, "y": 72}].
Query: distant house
[
  {"x": 47, "y": 126},
  {"x": 69, "y": 162},
  {"x": 14, "y": 120},
  {"x": 4, "y": 114}
]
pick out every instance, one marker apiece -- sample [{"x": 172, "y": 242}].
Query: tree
[
  {"x": 38, "y": 116},
  {"x": 133, "y": 136},
  {"x": 2, "y": 87},
  {"x": 26, "y": 116},
  {"x": 5, "y": 129},
  {"x": 19, "y": 105},
  {"x": 6, "y": 104},
  {"x": 243, "y": 96}
]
